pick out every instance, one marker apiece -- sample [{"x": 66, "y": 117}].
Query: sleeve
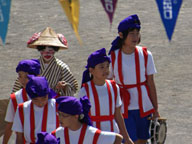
[
  {"x": 10, "y": 112},
  {"x": 17, "y": 126},
  {"x": 106, "y": 137},
  {"x": 118, "y": 101},
  {"x": 17, "y": 86},
  {"x": 67, "y": 76},
  {"x": 82, "y": 92},
  {"x": 151, "y": 69}
]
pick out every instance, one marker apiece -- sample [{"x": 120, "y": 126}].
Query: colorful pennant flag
[
  {"x": 169, "y": 10},
  {"x": 109, "y": 6},
  {"x": 4, "y": 18},
  {"x": 71, "y": 8}
]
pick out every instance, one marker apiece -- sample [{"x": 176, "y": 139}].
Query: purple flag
[
  {"x": 109, "y": 6},
  {"x": 169, "y": 11}
]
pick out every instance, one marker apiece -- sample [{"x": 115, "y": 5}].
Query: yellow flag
[{"x": 71, "y": 8}]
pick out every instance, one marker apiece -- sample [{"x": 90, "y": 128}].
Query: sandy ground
[{"x": 173, "y": 59}]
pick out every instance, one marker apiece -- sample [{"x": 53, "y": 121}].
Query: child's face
[
  {"x": 47, "y": 54},
  {"x": 132, "y": 38},
  {"x": 23, "y": 79},
  {"x": 40, "y": 101},
  {"x": 101, "y": 71},
  {"x": 65, "y": 119}
]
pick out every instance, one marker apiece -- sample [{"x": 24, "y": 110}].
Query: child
[
  {"x": 76, "y": 124},
  {"x": 103, "y": 95},
  {"x": 37, "y": 114},
  {"x": 57, "y": 73},
  {"x": 46, "y": 138},
  {"x": 24, "y": 68},
  {"x": 132, "y": 68}
]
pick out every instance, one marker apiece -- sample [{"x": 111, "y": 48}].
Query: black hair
[
  {"x": 40, "y": 48},
  {"x": 125, "y": 34}
]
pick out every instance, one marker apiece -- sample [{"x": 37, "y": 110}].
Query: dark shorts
[{"x": 137, "y": 127}]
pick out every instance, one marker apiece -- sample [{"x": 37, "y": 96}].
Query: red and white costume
[
  {"x": 15, "y": 98},
  {"x": 104, "y": 99},
  {"x": 85, "y": 135},
  {"x": 30, "y": 119},
  {"x": 129, "y": 72}
]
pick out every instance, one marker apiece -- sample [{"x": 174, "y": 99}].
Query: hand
[
  {"x": 61, "y": 85},
  {"x": 155, "y": 115},
  {"x": 128, "y": 141}
]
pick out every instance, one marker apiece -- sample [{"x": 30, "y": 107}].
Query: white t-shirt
[
  {"x": 129, "y": 74},
  {"x": 38, "y": 114},
  {"x": 10, "y": 109},
  {"x": 104, "y": 137},
  {"x": 104, "y": 104}
]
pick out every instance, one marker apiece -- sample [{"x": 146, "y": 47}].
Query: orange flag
[{"x": 71, "y": 8}]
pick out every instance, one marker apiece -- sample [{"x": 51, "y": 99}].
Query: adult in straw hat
[{"x": 57, "y": 73}]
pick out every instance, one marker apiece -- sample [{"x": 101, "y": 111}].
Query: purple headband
[
  {"x": 73, "y": 106},
  {"x": 46, "y": 138},
  {"x": 38, "y": 87},
  {"x": 95, "y": 58},
  {"x": 30, "y": 66},
  {"x": 131, "y": 21}
]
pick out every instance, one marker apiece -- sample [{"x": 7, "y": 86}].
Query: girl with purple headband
[
  {"x": 24, "y": 68},
  {"x": 133, "y": 68},
  {"x": 76, "y": 124},
  {"x": 103, "y": 94},
  {"x": 37, "y": 114}
]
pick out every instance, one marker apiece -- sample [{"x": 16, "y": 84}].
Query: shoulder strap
[
  {"x": 21, "y": 114},
  {"x": 96, "y": 136},
  {"x": 145, "y": 57},
  {"x": 14, "y": 101},
  {"x": 112, "y": 59},
  {"x": 85, "y": 85},
  {"x": 82, "y": 135},
  {"x": 113, "y": 83},
  {"x": 54, "y": 132},
  {"x": 66, "y": 135}
]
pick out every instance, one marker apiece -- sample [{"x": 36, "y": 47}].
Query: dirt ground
[{"x": 173, "y": 59}]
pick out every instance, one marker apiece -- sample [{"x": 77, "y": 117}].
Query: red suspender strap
[
  {"x": 21, "y": 115},
  {"x": 24, "y": 95},
  {"x": 137, "y": 63},
  {"x": 82, "y": 134},
  {"x": 110, "y": 104},
  {"x": 113, "y": 59},
  {"x": 14, "y": 101},
  {"x": 96, "y": 136},
  {"x": 54, "y": 133},
  {"x": 113, "y": 83},
  {"x": 145, "y": 58},
  {"x": 66, "y": 135},
  {"x": 145, "y": 55},
  {"x": 57, "y": 117},
  {"x": 81, "y": 137},
  {"x": 85, "y": 85},
  {"x": 123, "y": 91},
  {"x": 44, "y": 121},
  {"x": 120, "y": 67},
  {"x": 97, "y": 105},
  {"x": 32, "y": 123}
]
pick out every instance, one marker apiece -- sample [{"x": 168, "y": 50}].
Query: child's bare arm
[{"x": 120, "y": 122}]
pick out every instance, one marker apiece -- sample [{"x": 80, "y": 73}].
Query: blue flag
[
  {"x": 4, "y": 18},
  {"x": 169, "y": 10}
]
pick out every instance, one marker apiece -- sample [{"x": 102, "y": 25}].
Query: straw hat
[{"x": 47, "y": 37}]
